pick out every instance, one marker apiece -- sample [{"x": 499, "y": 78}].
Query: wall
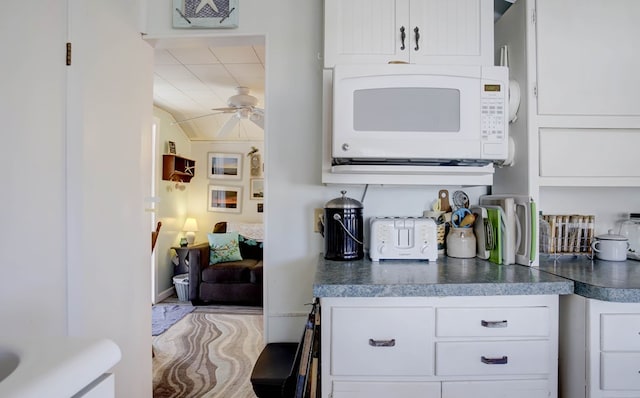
[
  {"x": 173, "y": 202},
  {"x": 33, "y": 206},
  {"x": 199, "y": 187}
]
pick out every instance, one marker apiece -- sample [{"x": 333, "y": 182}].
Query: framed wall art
[
  {"x": 205, "y": 14},
  {"x": 224, "y": 199},
  {"x": 257, "y": 188},
  {"x": 226, "y": 166}
]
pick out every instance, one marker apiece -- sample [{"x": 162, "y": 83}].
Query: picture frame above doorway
[{"x": 226, "y": 166}]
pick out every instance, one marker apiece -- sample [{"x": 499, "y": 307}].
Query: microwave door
[{"x": 424, "y": 118}]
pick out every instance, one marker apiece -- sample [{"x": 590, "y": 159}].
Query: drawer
[
  {"x": 490, "y": 322},
  {"x": 620, "y": 332},
  {"x": 382, "y": 341},
  {"x": 348, "y": 389},
  {"x": 620, "y": 371},
  {"x": 492, "y": 358},
  {"x": 496, "y": 389}
]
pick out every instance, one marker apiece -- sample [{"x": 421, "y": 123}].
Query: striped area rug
[{"x": 207, "y": 355}]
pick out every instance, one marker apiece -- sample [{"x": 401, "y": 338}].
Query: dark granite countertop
[
  {"x": 445, "y": 277},
  {"x": 617, "y": 281}
]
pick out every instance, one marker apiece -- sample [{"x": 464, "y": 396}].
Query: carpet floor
[{"x": 207, "y": 355}]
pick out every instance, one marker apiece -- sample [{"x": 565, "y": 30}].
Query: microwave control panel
[{"x": 493, "y": 113}]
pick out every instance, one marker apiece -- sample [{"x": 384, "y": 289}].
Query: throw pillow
[
  {"x": 223, "y": 247},
  {"x": 250, "y": 248}
]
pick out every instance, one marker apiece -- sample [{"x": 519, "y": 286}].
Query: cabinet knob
[
  {"x": 403, "y": 36},
  {"x": 417, "y": 36}
]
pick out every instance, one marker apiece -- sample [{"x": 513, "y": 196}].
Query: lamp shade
[{"x": 190, "y": 227}]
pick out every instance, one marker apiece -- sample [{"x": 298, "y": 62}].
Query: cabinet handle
[
  {"x": 382, "y": 343},
  {"x": 402, "y": 37},
  {"x": 417, "y": 34},
  {"x": 494, "y": 324},
  {"x": 494, "y": 361}
]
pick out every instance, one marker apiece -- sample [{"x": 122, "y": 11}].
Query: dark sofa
[{"x": 232, "y": 282}]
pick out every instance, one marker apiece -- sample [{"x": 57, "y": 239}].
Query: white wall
[
  {"x": 32, "y": 204},
  {"x": 172, "y": 207}
]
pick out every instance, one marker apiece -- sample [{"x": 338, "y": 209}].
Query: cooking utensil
[
  {"x": 460, "y": 199},
  {"x": 443, "y": 198},
  {"x": 611, "y": 247}
]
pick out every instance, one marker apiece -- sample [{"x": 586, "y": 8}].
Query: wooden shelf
[{"x": 177, "y": 168}]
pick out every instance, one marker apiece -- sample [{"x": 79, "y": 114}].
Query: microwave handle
[
  {"x": 402, "y": 37},
  {"x": 417, "y": 35}
]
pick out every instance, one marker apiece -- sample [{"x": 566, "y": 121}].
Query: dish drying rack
[{"x": 566, "y": 234}]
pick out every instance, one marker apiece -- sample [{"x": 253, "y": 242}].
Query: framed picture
[
  {"x": 225, "y": 199},
  {"x": 225, "y": 165},
  {"x": 205, "y": 14},
  {"x": 171, "y": 147},
  {"x": 257, "y": 188}
]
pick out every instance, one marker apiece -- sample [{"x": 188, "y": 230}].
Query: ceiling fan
[{"x": 242, "y": 106}]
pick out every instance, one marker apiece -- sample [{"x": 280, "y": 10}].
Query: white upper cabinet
[
  {"x": 587, "y": 53},
  {"x": 414, "y": 31}
]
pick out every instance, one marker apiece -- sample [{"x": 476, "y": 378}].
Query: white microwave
[{"x": 419, "y": 114}]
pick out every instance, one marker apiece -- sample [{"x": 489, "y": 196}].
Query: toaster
[{"x": 393, "y": 238}]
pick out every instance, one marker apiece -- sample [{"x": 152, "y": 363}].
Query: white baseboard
[{"x": 165, "y": 294}]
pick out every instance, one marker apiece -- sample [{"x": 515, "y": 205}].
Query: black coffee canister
[{"x": 343, "y": 229}]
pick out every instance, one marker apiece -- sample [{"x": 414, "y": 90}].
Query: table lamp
[{"x": 190, "y": 227}]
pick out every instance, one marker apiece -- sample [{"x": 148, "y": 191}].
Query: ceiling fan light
[{"x": 243, "y": 98}]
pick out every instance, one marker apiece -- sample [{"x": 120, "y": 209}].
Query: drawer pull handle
[
  {"x": 494, "y": 324},
  {"x": 382, "y": 343},
  {"x": 494, "y": 361}
]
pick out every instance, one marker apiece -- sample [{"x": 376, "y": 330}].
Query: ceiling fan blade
[
  {"x": 225, "y": 110},
  {"x": 258, "y": 119},
  {"x": 196, "y": 117},
  {"x": 228, "y": 126}
]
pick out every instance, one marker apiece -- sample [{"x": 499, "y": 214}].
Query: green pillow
[{"x": 223, "y": 247}]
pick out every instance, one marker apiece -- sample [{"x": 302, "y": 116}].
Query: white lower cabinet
[
  {"x": 449, "y": 347},
  {"x": 600, "y": 348}
]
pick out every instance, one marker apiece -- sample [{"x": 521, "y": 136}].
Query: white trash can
[{"x": 181, "y": 283}]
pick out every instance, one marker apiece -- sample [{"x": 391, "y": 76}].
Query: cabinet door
[
  {"x": 452, "y": 32},
  {"x": 587, "y": 58},
  {"x": 365, "y": 31},
  {"x": 381, "y": 341}
]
